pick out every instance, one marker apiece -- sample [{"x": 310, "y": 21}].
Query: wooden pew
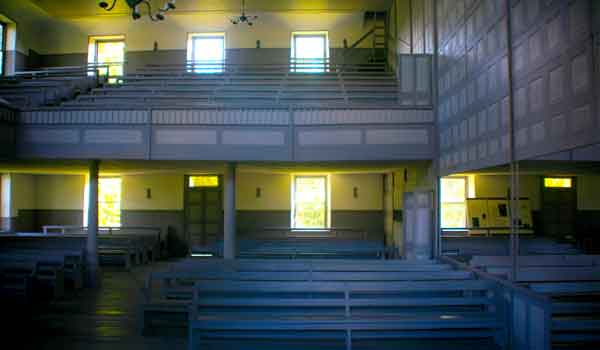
[
  {"x": 348, "y": 311},
  {"x": 168, "y": 293},
  {"x": 575, "y": 311},
  {"x": 16, "y": 282},
  {"x": 71, "y": 261},
  {"x": 48, "y": 277}
]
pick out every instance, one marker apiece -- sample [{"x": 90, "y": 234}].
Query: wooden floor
[
  {"x": 94, "y": 319},
  {"x": 107, "y": 319}
]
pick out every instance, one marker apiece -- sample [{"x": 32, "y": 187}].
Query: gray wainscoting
[
  {"x": 171, "y": 223},
  {"x": 252, "y": 221},
  {"x": 32, "y": 220}
]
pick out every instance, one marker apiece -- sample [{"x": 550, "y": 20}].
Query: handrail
[
  {"x": 528, "y": 314},
  {"x": 363, "y": 38}
]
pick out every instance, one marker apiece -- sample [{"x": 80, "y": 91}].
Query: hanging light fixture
[
  {"x": 135, "y": 8},
  {"x": 243, "y": 18}
]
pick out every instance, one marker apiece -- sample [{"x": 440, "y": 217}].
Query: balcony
[{"x": 289, "y": 112}]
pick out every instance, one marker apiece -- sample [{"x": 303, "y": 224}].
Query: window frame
[
  {"x": 3, "y": 48},
  {"x": 327, "y": 203},
  {"x": 311, "y": 67},
  {"x": 100, "y": 202},
  {"x": 114, "y": 38},
  {"x": 191, "y": 61},
  {"x": 571, "y": 185},
  {"x": 463, "y": 203}
]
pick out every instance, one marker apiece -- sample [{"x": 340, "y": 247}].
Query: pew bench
[
  {"x": 345, "y": 311},
  {"x": 48, "y": 278},
  {"x": 16, "y": 281},
  {"x": 575, "y": 311},
  {"x": 167, "y": 294}
]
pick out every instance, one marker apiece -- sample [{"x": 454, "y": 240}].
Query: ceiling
[{"x": 80, "y": 8}]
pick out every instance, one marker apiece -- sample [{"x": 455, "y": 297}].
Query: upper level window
[
  {"x": 310, "y": 52},
  {"x": 453, "y": 198},
  {"x": 2, "y": 46},
  {"x": 110, "y": 51},
  {"x": 206, "y": 52}
]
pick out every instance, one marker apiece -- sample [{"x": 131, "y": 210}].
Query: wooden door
[{"x": 203, "y": 209}]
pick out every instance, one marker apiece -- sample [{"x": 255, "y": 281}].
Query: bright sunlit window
[
  {"x": 203, "y": 181},
  {"x": 310, "y": 52},
  {"x": 453, "y": 206},
  {"x": 206, "y": 51},
  {"x": 310, "y": 202},
  {"x": 110, "y": 51},
  {"x": 555, "y": 182},
  {"x": 109, "y": 202}
]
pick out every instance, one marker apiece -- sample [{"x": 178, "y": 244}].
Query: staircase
[
  {"x": 376, "y": 36},
  {"x": 380, "y": 36}
]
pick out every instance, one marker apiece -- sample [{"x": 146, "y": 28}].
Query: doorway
[
  {"x": 559, "y": 206},
  {"x": 203, "y": 209}
]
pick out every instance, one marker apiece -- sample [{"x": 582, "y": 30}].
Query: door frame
[
  {"x": 187, "y": 234},
  {"x": 543, "y": 188}
]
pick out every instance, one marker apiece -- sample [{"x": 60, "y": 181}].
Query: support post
[
  {"x": 92, "y": 267},
  {"x": 229, "y": 212}
]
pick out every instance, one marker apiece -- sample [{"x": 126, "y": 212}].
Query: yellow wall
[
  {"x": 370, "y": 192},
  {"x": 31, "y": 24},
  {"x": 273, "y": 29},
  {"x": 588, "y": 192},
  {"x": 166, "y": 192},
  {"x": 59, "y": 192},
  {"x": 275, "y": 191},
  {"x": 497, "y": 186},
  {"x": 23, "y": 189}
]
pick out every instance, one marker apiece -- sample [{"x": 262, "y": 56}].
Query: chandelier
[
  {"x": 243, "y": 18},
  {"x": 136, "y": 11}
]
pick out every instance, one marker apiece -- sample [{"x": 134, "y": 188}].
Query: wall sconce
[
  {"x": 355, "y": 192},
  {"x": 149, "y": 193},
  {"x": 258, "y": 192}
]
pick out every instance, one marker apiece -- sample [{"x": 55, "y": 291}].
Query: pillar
[
  {"x": 92, "y": 229},
  {"x": 229, "y": 212}
]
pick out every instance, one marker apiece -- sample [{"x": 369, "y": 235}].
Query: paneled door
[
  {"x": 203, "y": 209},
  {"x": 559, "y": 206}
]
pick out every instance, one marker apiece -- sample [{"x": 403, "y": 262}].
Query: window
[
  {"x": 454, "y": 209},
  {"x": 110, "y": 51},
  {"x": 554, "y": 182},
  {"x": 310, "y": 52},
  {"x": 206, "y": 52},
  {"x": 310, "y": 199},
  {"x": 203, "y": 181},
  {"x": 2, "y": 46},
  {"x": 109, "y": 202}
]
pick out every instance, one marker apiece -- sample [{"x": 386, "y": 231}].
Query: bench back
[
  {"x": 341, "y": 298},
  {"x": 536, "y": 260}
]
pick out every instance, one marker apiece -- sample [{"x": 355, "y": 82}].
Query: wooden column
[
  {"x": 229, "y": 212},
  {"x": 92, "y": 228}
]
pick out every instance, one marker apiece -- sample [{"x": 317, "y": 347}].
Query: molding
[
  {"x": 221, "y": 117},
  {"x": 84, "y": 117}
]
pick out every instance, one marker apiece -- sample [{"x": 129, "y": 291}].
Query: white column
[
  {"x": 229, "y": 212},
  {"x": 92, "y": 245}
]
